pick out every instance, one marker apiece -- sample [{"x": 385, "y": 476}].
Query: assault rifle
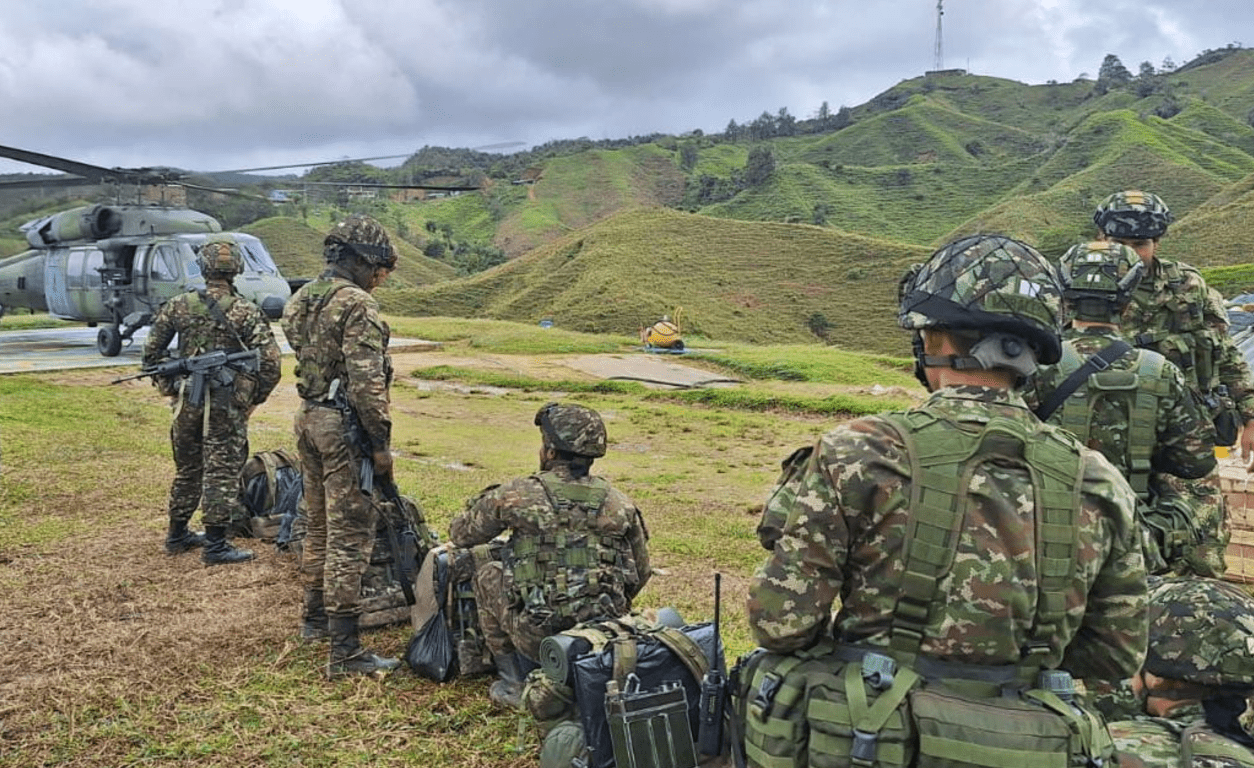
[
  {"x": 713, "y": 690},
  {"x": 212, "y": 368},
  {"x": 356, "y": 435}
]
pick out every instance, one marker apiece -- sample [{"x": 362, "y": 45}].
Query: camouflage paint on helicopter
[{"x": 116, "y": 265}]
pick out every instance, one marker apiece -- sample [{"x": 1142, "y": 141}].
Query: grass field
[{"x": 115, "y": 654}]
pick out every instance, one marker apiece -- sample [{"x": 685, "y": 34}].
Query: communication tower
[{"x": 939, "y": 53}]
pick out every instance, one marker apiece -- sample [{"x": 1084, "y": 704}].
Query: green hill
[{"x": 734, "y": 280}]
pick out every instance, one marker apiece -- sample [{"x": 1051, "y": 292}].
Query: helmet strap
[{"x": 996, "y": 350}]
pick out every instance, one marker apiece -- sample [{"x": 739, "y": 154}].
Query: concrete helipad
[{"x": 55, "y": 349}]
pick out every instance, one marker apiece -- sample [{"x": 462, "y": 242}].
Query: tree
[
  {"x": 733, "y": 130},
  {"x": 1168, "y": 66},
  {"x": 759, "y": 166},
  {"x": 1147, "y": 80},
  {"x": 1112, "y": 74},
  {"x": 785, "y": 123}
]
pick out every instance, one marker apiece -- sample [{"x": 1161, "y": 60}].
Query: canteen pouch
[
  {"x": 650, "y": 729},
  {"x": 1038, "y": 730},
  {"x": 858, "y": 717},
  {"x": 769, "y": 698}
]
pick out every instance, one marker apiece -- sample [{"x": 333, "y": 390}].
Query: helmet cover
[
  {"x": 1201, "y": 631},
  {"x": 573, "y": 429},
  {"x": 987, "y": 283},
  {"x": 1133, "y": 215},
  {"x": 363, "y": 237},
  {"x": 220, "y": 256}
]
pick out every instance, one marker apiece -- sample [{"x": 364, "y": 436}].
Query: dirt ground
[{"x": 105, "y": 618}]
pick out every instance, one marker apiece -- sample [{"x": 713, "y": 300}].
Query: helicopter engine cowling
[{"x": 87, "y": 223}]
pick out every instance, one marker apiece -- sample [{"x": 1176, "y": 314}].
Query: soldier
[
  {"x": 1186, "y": 708},
  {"x": 1174, "y": 313},
  {"x": 210, "y": 440},
  {"x": 343, "y": 374},
  {"x": 1131, "y": 404},
  {"x": 577, "y": 548},
  {"x": 962, "y": 539}
]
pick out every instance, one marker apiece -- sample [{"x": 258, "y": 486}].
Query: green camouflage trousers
[
  {"x": 1210, "y": 514},
  {"x": 341, "y": 519},
  {"x": 207, "y": 460}
]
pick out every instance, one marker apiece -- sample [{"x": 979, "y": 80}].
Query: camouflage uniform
[
  {"x": 841, "y": 520},
  {"x": 1137, "y": 410},
  {"x": 1175, "y": 313},
  {"x": 1201, "y": 634},
  {"x": 338, "y": 323},
  {"x": 525, "y": 509},
  {"x": 210, "y": 442},
  {"x": 577, "y": 549},
  {"x": 343, "y": 372},
  {"x": 846, "y": 525}
]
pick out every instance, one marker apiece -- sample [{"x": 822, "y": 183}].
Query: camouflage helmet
[
  {"x": 987, "y": 283},
  {"x": 220, "y": 256},
  {"x": 1098, "y": 279},
  {"x": 363, "y": 237},
  {"x": 1133, "y": 215},
  {"x": 572, "y": 429},
  {"x": 1201, "y": 631}
]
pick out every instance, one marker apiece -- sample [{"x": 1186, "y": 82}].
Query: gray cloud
[{"x": 211, "y": 84}]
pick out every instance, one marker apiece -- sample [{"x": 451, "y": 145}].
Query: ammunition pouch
[
  {"x": 833, "y": 706},
  {"x": 1171, "y": 522}
]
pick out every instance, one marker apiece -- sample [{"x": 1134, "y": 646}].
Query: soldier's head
[
  {"x": 1201, "y": 646},
  {"x": 220, "y": 259},
  {"x": 571, "y": 434},
  {"x": 982, "y": 303},
  {"x": 1134, "y": 218},
  {"x": 360, "y": 246},
  {"x": 1098, "y": 279}
]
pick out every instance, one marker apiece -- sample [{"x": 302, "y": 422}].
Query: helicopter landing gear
[{"x": 109, "y": 341}]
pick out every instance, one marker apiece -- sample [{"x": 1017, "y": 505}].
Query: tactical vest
[
  {"x": 319, "y": 358},
  {"x": 207, "y": 332},
  {"x": 840, "y": 704},
  {"x": 942, "y": 461},
  {"x": 572, "y": 573},
  {"x": 1182, "y": 336},
  {"x": 1140, "y": 391}
]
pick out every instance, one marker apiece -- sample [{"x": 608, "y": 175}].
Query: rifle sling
[{"x": 1099, "y": 361}]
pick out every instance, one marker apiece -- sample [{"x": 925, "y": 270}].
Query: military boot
[
  {"x": 218, "y": 550},
  {"x": 314, "y": 617},
  {"x": 506, "y": 690},
  {"x": 347, "y": 655},
  {"x": 180, "y": 540}
]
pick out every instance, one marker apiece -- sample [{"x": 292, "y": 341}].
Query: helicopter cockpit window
[
  {"x": 256, "y": 257},
  {"x": 165, "y": 264}
]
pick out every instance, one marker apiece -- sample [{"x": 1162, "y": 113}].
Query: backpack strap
[
  {"x": 686, "y": 649},
  {"x": 942, "y": 460},
  {"x": 1099, "y": 361}
]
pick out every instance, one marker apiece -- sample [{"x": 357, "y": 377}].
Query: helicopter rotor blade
[
  {"x": 222, "y": 191},
  {"x": 93, "y": 172},
  {"x": 371, "y": 185},
  {"x": 310, "y": 165},
  {"x": 49, "y": 182}
]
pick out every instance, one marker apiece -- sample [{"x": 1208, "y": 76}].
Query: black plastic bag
[{"x": 430, "y": 653}]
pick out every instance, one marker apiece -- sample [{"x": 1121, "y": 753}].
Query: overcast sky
[{"x": 225, "y": 84}]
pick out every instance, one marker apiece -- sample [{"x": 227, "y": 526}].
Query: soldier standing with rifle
[
  {"x": 209, "y": 434},
  {"x": 342, "y": 367}
]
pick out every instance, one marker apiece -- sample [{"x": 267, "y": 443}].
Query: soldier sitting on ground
[
  {"x": 1186, "y": 708},
  {"x": 577, "y": 548}
]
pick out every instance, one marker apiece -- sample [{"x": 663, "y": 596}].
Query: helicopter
[{"x": 113, "y": 266}]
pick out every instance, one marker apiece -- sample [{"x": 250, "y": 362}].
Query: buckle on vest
[
  {"x": 765, "y": 696},
  {"x": 878, "y": 670},
  {"x": 863, "y": 750}
]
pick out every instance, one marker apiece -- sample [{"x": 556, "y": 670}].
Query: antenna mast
[{"x": 939, "y": 53}]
